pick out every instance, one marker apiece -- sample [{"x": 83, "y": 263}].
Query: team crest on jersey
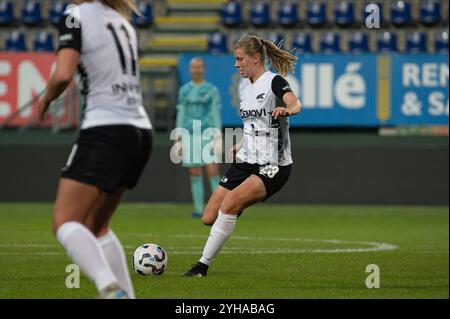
[
  {"x": 260, "y": 97},
  {"x": 269, "y": 170}
]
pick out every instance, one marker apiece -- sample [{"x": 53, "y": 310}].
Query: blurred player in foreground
[{"x": 114, "y": 142}]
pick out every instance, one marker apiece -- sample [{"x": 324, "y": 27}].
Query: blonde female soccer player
[
  {"x": 114, "y": 142},
  {"x": 263, "y": 157}
]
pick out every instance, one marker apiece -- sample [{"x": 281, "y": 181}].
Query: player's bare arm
[
  {"x": 67, "y": 62},
  {"x": 293, "y": 106}
]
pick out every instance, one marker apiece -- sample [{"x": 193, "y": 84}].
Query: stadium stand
[
  {"x": 169, "y": 27},
  {"x": 43, "y": 42},
  {"x": 260, "y": 14},
  {"x": 288, "y": 14},
  {"x": 232, "y": 14},
  {"x": 302, "y": 43},
  {"x": 31, "y": 13},
  {"x": 401, "y": 13},
  {"x": 416, "y": 42},
  {"x": 6, "y": 13},
  {"x": 275, "y": 37},
  {"x": 330, "y": 43},
  {"x": 441, "y": 42},
  {"x": 387, "y": 42},
  {"x": 217, "y": 43},
  {"x": 430, "y": 12},
  {"x": 146, "y": 19},
  {"x": 57, "y": 8},
  {"x": 358, "y": 42},
  {"x": 345, "y": 13},
  {"x": 16, "y": 42},
  {"x": 172, "y": 26},
  {"x": 316, "y": 14}
]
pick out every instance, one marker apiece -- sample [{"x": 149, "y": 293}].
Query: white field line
[{"x": 195, "y": 250}]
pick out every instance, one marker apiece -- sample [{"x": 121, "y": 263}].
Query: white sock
[
  {"x": 84, "y": 250},
  {"x": 116, "y": 258},
  {"x": 220, "y": 232}
]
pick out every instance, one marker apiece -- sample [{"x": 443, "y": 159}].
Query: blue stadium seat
[
  {"x": 302, "y": 43},
  {"x": 344, "y": 13},
  {"x": 260, "y": 14},
  {"x": 231, "y": 14},
  {"x": 401, "y": 13},
  {"x": 330, "y": 43},
  {"x": 366, "y": 14},
  {"x": 288, "y": 14},
  {"x": 16, "y": 42},
  {"x": 387, "y": 42},
  {"x": 416, "y": 42},
  {"x": 441, "y": 42},
  {"x": 6, "y": 13},
  {"x": 43, "y": 42},
  {"x": 276, "y": 38},
  {"x": 57, "y": 9},
  {"x": 358, "y": 42},
  {"x": 217, "y": 43},
  {"x": 316, "y": 14},
  {"x": 146, "y": 19},
  {"x": 430, "y": 12},
  {"x": 31, "y": 13}
]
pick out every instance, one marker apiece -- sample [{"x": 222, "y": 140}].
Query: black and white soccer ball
[{"x": 149, "y": 259}]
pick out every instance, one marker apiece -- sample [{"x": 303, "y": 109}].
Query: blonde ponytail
[
  {"x": 282, "y": 61},
  {"x": 124, "y": 7}
]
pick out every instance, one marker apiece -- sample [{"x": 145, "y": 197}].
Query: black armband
[
  {"x": 69, "y": 33},
  {"x": 280, "y": 86}
]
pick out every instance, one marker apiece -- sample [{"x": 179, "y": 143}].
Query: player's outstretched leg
[
  {"x": 252, "y": 190},
  {"x": 220, "y": 232}
]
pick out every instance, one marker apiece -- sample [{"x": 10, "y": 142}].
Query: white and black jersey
[
  {"x": 108, "y": 73},
  {"x": 266, "y": 140}
]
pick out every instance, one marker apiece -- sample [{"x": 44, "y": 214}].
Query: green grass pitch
[{"x": 276, "y": 251}]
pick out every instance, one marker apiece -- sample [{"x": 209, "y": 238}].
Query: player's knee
[
  {"x": 209, "y": 216},
  {"x": 233, "y": 205},
  {"x": 60, "y": 219}
]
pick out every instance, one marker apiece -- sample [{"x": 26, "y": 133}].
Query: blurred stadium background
[
  {"x": 374, "y": 129},
  {"x": 373, "y": 132}
]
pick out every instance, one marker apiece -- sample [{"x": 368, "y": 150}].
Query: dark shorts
[
  {"x": 109, "y": 157},
  {"x": 273, "y": 177}
]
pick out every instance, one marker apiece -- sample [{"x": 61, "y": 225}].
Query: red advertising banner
[{"x": 23, "y": 77}]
